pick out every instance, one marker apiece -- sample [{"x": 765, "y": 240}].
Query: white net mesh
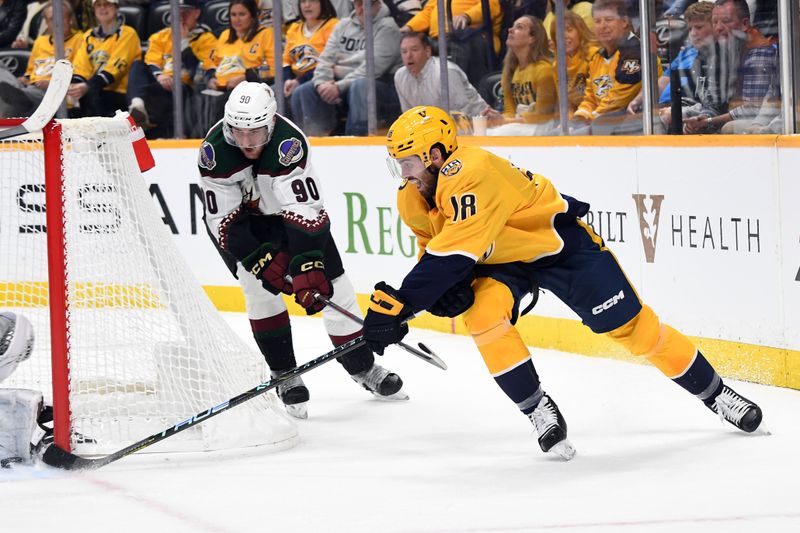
[{"x": 147, "y": 348}]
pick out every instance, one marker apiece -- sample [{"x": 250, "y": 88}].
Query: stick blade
[
  {"x": 435, "y": 359},
  {"x": 58, "y": 458}
]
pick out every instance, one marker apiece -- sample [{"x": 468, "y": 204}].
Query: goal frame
[{"x": 56, "y": 274}]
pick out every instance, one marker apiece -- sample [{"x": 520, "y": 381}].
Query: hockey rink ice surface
[{"x": 456, "y": 457}]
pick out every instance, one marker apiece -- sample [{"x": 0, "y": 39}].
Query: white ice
[{"x": 457, "y": 457}]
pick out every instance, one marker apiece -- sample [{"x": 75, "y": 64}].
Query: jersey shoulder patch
[
  {"x": 452, "y": 168},
  {"x": 206, "y": 158},
  {"x": 290, "y": 151}
]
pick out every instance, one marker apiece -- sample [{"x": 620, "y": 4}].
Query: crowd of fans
[{"x": 501, "y": 65}]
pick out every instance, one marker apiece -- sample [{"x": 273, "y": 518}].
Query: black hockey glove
[
  {"x": 386, "y": 317},
  {"x": 308, "y": 277},
  {"x": 455, "y": 300},
  {"x": 269, "y": 264}
]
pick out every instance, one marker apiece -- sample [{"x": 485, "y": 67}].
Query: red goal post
[{"x": 134, "y": 343}]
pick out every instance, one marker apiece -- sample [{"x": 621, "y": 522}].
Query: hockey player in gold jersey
[{"x": 489, "y": 234}]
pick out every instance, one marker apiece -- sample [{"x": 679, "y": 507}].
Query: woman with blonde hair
[
  {"x": 529, "y": 92},
  {"x": 580, "y": 45}
]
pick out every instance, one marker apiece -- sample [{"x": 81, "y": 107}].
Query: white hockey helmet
[
  {"x": 16, "y": 342},
  {"x": 251, "y": 105}
]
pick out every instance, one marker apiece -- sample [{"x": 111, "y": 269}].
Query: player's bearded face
[{"x": 413, "y": 169}]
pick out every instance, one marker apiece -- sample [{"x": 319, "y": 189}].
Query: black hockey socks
[
  {"x": 700, "y": 379},
  {"x": 521, "y": 384},
  {"x": 274, "y": 338},
  {"x": 358, "y": 360}
]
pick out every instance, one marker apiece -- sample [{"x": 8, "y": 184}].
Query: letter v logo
[{"x": 648, "y": 222}]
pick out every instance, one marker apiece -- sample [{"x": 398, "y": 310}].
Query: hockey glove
[
  {"x": 269, "y": 264},
  {"x": 455, "y": 300},
  {"x": 308, "y": 277},
  {"x": 386, "y": 317}
]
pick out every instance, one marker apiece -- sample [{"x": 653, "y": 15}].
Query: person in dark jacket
[{"x": 12, "y": 17}]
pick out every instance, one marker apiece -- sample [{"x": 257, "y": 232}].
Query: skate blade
[
  {"x": 762, "y": 430},
  {"x": 297, "y": 410},
  {"x": 399, "y": 396},
  {"x": 563, "y": 449}
]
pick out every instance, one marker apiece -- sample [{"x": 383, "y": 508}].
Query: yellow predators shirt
[
  {"x": 43, "y": 55},
  {"x": 613, "y": 80},
  {"x": 232, "y": 59},
  {"x": 534, "y": 88},
  {"x": 486, "y": 209},
  {"x": 427, "y": 20},
  {"x": 112, "y": 54},
  {"x": 159, "y": 51},
  {"x": 301, "y": 52}
]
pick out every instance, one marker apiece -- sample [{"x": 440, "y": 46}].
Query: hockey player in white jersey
[
  {"x": 20, "y": 409},
  {"x": 265, "y": 214}
]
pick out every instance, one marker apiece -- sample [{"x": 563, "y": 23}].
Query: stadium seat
[
  {"x": 134, "y": 16},
  {"x": 158, "y": 17},
  {"x": 215, "y": 15},
  {"x": 491, "y": 90},
  {"x": 15, "y": 61}
]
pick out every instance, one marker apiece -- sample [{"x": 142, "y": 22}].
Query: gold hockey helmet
[{"x": 417, "y": 130}]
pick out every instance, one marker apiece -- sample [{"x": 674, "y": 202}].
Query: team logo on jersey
[
  {"x": 206, "y": 159},
  {"x": 630, "y": 66},
  {"x": 602, "y": 86},
  {"x": 290, "y": 151},
  {"x": 303, "y": 57},
  {"x": 452, "y": 168}
]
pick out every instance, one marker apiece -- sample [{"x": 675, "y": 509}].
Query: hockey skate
[
  {"x": 736, "y": 409},
  {"x": 382, "y": 383},
  {"x": 294, "y": 395},
  {"x": 552, "y": 429}
]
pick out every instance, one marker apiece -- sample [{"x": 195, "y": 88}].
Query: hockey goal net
[{"x": 127, "y": 342}]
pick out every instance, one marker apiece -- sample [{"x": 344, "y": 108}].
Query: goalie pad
[
  {"x": 16, "y": 342},
  {"x": 20, "y": 433}
]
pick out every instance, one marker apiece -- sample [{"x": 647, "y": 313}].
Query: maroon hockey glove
[
  {"x": 308, "y": 278},
  {"x": 269, "y": 265}
]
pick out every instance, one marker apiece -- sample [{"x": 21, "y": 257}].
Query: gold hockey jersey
[
  {"x": 43, "y": 55},
  {"x": 112, "y": 54},
  {"x": 486, "y": 209},
  {"x": 159, "y": 50},
  {"x": 301, "y": 53},
  {"x": 613, "y": 80},
  {"x": 236, "y": 57}
]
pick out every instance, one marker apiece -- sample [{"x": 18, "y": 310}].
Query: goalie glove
[
  {"x": 455, "y": 300},
  {"x": 386, "y": 318},
  {"x": 268, "y": 264},
  {"x": 308, "y": 278}
]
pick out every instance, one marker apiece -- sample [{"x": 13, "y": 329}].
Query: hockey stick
[
  {"x": 53, "y": 97},
  {"x": 426, "y": 354},
  {"x": 57, "y": 457}
]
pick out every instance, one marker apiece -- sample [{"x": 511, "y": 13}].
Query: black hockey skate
[
  {"x": 551, "y": 428},
  {"x": 736, "y": 409},
  {"x": 294, "y": 395},
  {"x": 382, "y": 383}
]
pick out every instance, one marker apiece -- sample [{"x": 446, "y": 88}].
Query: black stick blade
[{"x": 55, "y": 456}]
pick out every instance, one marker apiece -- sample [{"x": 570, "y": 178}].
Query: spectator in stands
[
  {"x": 305, "y": 41},
  {"x": 466, "y": 44},
  {"x": 340, "y": 76},
  {"x": 580, "y": 46},
  {"x": 694, "y": 64},
  {"x": 12, "y": 17},
  {"x": 418, "y": 81},
  {"x": 244, "y": 49},
  {"x": 528, "y": 81},
  {"x": 151, "y": 81},
  {"x": 28, "y": 34},
  {"x": 19, "y": 97},
  {"x": 103, "y": 62},
  {"x": 752, "y": 88},
  {"x": 615, "y": 75},
  {"x": 582, "y": 8},
  {"x": 403, "y": 10}
]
